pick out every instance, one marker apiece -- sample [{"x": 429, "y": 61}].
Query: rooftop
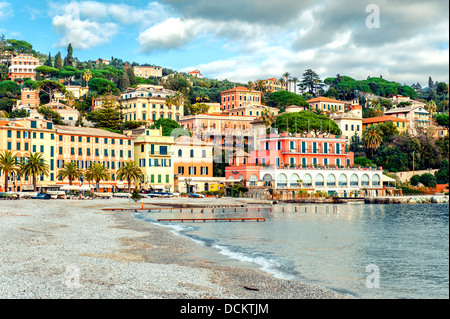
[
  {"x": 385, "y": 118},
  {"x": 76, "y": 130},
  {"x": 324, "y": 99}
]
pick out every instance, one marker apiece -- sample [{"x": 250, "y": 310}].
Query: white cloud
[
  {"x": 87, "y": 24},
  {"x": 172, "y": 33},
  {"x": 5, "y": 10},
  {"x": 83, "y": 34}
]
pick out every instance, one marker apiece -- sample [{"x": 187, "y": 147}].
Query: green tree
[
  {"x": 70, "y": 171},
  {"x": 49, "y": 87},
  {"x": 48, "y": 71},
  {"x": 103, "y": 86},
  {"x": 58, "y": 61},
  {"x": 68, "y": 60},
  {"x": 428, "y": 180},
  {"x": 312, "y": 82},
  {"x": 167, "y": 126},
  {"x": 8, "y": 165},
  {"x": 97, "y": 172},
  {"x": 35, "y": 166},
  {"x": 281, "y": 99},
  {"x": 108, "y": 117},
  {"x": 372, "y": 137},
  {"x": 442, "y": 175},
  {"x": 415, "y": 180},
  {"x": 129, "y": 171},
  {"x": 304, "y": 122},
  {"x": 131, "y": 77},
  {"x": 124, "y": 82},
  {"x": 49, "y": 61},
  {"x": 50, "y": 115},
  {"x": 391, "y": 158}
]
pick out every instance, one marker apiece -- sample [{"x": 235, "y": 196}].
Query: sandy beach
[{"x": 71, "y": 249}]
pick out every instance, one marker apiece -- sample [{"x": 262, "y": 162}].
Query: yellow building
[
  {"x": 146, "y": 71},
  {"x": 148, "y": 103},
  {"x": 153, "y": 154},
  {"x": 63, "y": 144},
  {"x": 401, "y": 123},
  {"x": 350, "y": 123},
  {"x": 22, "y": 136}
]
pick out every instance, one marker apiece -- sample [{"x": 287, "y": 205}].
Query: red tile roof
[
  {"x": 380, "y": 119},
  {"x": 324, "y": 99}
]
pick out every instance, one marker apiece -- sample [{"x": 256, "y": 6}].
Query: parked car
[{"x": 42, "y": 196}]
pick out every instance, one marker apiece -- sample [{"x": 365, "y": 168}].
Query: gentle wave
[{"x": 268, "y": 265}]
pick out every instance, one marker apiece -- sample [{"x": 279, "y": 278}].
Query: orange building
[
  {"x": 401, "y": 124},
  {"x": 326, "y": 104},
  {"x": 238, "y": 97},
  {"x": 23, "y": 66}
]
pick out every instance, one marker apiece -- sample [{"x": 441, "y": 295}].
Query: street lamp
[{"x": 413, "y": 162}]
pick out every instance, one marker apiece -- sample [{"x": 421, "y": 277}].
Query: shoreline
[{"x": 73, "y": 249}]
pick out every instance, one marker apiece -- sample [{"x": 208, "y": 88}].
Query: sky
[{"x": 402, "y": 40}]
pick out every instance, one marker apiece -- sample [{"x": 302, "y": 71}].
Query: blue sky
[{"x": 245, "y": 40}]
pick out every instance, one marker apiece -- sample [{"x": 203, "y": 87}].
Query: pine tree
[
  {"x": 68, "y": 60},
  {"x": 131, "y": 77},
  {"x": 58, "y": 61},
  {"x": 124, "y": 82},
  {"x": 49, "y": 60}
]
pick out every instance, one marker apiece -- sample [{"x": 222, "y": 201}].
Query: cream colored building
[
  {"x": 351, "y": 122},
  {"x": 145, "y": 72},
  {"x": 76, "y": 90},
  {"x": 148, "y": 103}
]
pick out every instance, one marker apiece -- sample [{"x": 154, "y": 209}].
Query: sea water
[{"x": 367, "y": 251}]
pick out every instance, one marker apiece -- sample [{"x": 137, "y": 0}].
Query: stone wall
[{"x": 406, "y": 176}]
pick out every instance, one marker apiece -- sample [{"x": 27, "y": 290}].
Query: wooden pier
[{"x": 193, "y": 220}]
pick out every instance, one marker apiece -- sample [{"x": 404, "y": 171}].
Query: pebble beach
[{"x": 71, "y": 249}]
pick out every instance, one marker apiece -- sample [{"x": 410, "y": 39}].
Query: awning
[
  {"x": 27, "y": 188},
  {"x": 157, "y": 186},
  {"x": 75, "y": 188},
  {"x": 388, "y": 179}
]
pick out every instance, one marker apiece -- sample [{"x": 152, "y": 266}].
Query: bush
[
  {"x": 411, "y": 191},
  {"x": 428, "y": 180},
  {"x": 415, "y": 180}
]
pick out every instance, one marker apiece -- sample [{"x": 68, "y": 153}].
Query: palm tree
[
  {"x": 295, "y": 80},
  {"x": 87, "y": 76},
  {"x": 130, "y": 171},
  {"x": 286, "y": 76},
  {"x": 431, "y": 107},
  {"x": 8, "y": 165},
  {"x": 97, "y": 172},
  {"x": 372, "y": 137},
  {"x": 70, "y": 171},
  {"x": 35, "y": 166},
  {"x": 267, "y": 117},
  {"x": 250, "y": 86},
  {"x": 202, "y": 98}
]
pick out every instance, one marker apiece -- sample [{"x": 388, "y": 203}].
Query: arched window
[
  {"x": 203, "y": 153},
  {"x": 267, "y": 180},
  {"x": 253, "y": 179},
  {"x": 319, "y": 181},
  {"x": 281, "y": 180},
  {"x": 343, "y": 180},
  {"x": 365, "y": 180},
  {"x": 331, "y": 180},
  {"x": 294, "y": 180},
  {"x": 180, "y": 153},
  {"x": 376, "y": 181},
  {"x": 307, "y": 180},
  {"x": 354, "y": 180},
  {"x": 192, "y": 153}
]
